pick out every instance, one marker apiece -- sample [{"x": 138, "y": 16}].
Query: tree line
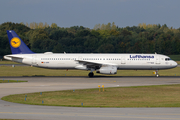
[{"x": 104, "y": 38}]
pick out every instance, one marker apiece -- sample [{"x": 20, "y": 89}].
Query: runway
[{"x": 39, "y": 84}]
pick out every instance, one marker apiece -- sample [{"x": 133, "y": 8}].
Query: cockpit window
[{"x": 167, "y": 59}]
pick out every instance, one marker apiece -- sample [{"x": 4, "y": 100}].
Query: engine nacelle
[
  {"x": 107, "y": 70},
  {"x": 81, "y": 67}
]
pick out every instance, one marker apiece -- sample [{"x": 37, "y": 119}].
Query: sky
[{"x": 88, "y": 13}]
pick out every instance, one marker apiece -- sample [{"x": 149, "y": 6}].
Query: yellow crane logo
[{"x": 15, "y": 42}]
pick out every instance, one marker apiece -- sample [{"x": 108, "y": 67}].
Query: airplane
[{"x": 101, "y": 63}]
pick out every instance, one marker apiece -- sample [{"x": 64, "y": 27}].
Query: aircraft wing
[{"x": 92, "y": 64}]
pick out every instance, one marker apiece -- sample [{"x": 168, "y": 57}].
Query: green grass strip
[
  {"x": 11, "y": 81},
  {"x": 178, "y": 62},
  {"x": 8, "y": 62},
  {"x": 138, "y": 96}
]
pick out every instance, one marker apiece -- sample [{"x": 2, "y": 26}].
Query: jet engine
[
  {"x": 107, "y": 70},
  {"x": 81, "y": 67}
]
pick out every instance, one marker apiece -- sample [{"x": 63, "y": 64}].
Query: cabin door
[
  {"x": 123, "y": 60},
  {"x": 34, "y": 60},
  {"x": 157, "y": 60},
  {"x": 80, "y": 58}
]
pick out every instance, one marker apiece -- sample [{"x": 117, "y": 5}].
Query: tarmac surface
[{"x": 10, "y": 110}]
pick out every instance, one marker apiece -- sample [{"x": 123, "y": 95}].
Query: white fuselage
[{"x": 71, "y": 61}]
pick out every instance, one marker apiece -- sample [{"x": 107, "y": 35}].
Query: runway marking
[{"x": 98, "y": 115}]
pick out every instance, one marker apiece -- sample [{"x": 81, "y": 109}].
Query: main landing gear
[
  {"x": 157, "y": 75},
  {"x": 91, "y": 74}
]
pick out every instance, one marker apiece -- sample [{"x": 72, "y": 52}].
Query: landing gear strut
[
  {"x": 91, "y": 74},
  {"x": 157, "y": 75}
]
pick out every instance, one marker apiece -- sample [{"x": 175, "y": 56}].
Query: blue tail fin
[{"x": 16, "y": 44}]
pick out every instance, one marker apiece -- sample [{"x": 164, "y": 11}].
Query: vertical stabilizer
[{"x": 16, "y": 44}]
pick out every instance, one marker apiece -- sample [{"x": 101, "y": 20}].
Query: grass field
[
  {"x": 11, "y": 81},
  {"x": 178, "y": 62},
  {"x": 34, "y": 71},
  {"x": 142, "y": 96},
  {"x": 8, "y": 62}
]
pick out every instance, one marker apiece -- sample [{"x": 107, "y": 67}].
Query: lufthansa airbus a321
[{"x": 101, "y": 63}]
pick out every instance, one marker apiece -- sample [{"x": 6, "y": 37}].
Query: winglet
[{"x": 16, "y": 44}]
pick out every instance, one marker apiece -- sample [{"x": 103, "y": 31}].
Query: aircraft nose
[{"x": 175, "y": 64}]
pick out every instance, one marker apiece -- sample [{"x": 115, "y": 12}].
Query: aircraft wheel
[
  {"x": 91, "y": 74},
  {"x": 157, "y": 75}
]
